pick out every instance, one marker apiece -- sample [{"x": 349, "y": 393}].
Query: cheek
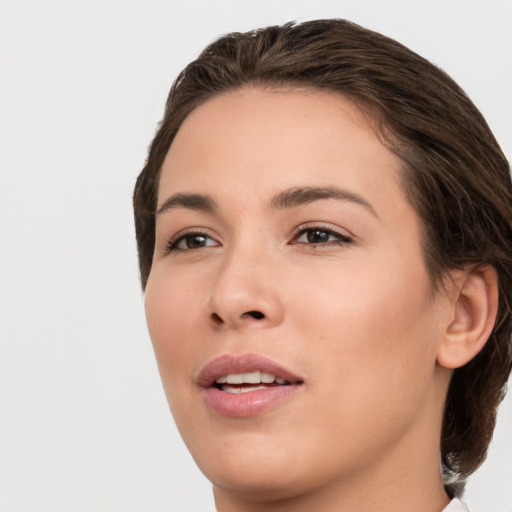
[
  {"x": 172, "y": 315},
  {"x": 379, "y": 318},
  {"x": 371, "y": 348}
]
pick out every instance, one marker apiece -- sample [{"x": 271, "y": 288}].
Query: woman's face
[{"x": 288, "y": 257}]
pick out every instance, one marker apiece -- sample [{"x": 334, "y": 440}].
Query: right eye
[{"x": 191, "y": 241}]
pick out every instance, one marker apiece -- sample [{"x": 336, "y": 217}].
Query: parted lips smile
[
  {"x": 249, "y": 381},
  {"x": 246, "y": 385},
  {"x": 245, "y": 368}
]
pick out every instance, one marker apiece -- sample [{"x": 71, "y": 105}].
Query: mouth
[
  {"x": 249, "y": 381},
  {"x": 246, "y": 385}
]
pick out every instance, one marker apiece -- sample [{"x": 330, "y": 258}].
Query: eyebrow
[
  {"x": 289, "y": 198},
  {"x": 297, "y": 196},
  {"x": 198, "y": 202}
]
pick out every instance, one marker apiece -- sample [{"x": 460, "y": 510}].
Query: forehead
[{"x": 257, "y": 141}]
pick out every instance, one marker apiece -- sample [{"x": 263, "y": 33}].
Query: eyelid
[
  {"x": 344, "y": 234},
  {"x": 174, "y": 240}
]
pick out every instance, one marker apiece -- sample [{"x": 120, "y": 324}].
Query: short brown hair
[{"x": 455, "y": 174}]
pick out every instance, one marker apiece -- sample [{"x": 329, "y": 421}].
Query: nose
[{"x": 246, "y": 293}]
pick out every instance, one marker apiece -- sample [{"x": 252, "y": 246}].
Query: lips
[{"x": 246, "y": 385}]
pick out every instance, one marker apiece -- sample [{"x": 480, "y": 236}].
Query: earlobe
[{"x": 475, "y": 307}]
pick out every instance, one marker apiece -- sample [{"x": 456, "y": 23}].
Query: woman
[{"x": 324, "y": 228}]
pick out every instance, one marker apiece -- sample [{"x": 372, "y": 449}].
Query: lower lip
[{"x": 252, "y": 403}]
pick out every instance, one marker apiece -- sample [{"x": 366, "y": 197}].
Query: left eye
[{"x": 320, "y": 236}]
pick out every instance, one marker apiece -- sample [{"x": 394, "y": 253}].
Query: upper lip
[{"x": 230, "y": 364}]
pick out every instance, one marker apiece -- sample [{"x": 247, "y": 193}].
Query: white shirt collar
[{"x": 456, "y": 506}]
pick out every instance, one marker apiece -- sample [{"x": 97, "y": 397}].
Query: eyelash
[
  {"x": 340, "y": 238},
  {"x": 173, "y": 243}
]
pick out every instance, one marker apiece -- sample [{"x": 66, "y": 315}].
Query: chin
[
  {"x": 259, "y": 484},
  {"x": 250, "y": 464}
]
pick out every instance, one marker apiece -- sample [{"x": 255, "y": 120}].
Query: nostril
[
  {"x": 217, "y": 319},
  {"x": 257, "y": 315}
]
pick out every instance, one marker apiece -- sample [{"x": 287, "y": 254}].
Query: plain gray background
[{"x": 84, "y": 425}]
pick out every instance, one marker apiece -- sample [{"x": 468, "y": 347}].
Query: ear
[{"x": 474, "y": 310}]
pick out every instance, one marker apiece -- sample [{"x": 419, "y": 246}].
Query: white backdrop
[{"x": 84, "y": 425}]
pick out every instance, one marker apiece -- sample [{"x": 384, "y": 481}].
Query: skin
[{"x": 359, "y": 321}]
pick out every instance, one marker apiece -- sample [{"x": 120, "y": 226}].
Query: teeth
[
  {"x": 236, "y": 379},
  {"x": 252, "y": 377},
  {"x": 240, "y": 389},
  {"x": 255, "y": 377}
]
